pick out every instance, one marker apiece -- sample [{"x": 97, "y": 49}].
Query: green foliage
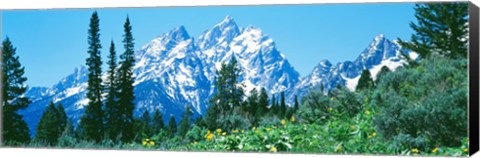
[
  {"x": 384, "y": 70},
  {"x": 441, "y": 28},
  {"x": 111, "y": 110},
  {"x": 365, "y": 81},
  {"x": 283, "y": 105},
  {"x": 52, "y": 124},
  {"x": 172, "y": 126},
  {"x": 92, "y": 120},
  {"x": 412, "y": 101},
  {"x": 126, "y": 94},
  {"x": 184, "y": 124},
  {"x": 157, "y": 122},
  {"x": 229, "y": 94},
  {"x": 316, "y": 107},
  {"x": 15, "y": 130}
]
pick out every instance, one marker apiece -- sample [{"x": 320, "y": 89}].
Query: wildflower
[
  {"x": 235, "y": 131},
  {"x": 352, "y": 126},
  {"x": 367, "y": 112},
  {"x": 147, "y": 139},
  {"x": 415, "y": 150},
  {"x": 369, "y": 136},
  {"x": 435, "y": 150},
  {"x": 330, "y": 109},
  {"x": 219, "y": 130},
  {"x": 339, "y": 148},
  {"x": 224, "y": 133},
  {"x": 254, "y": 128},
  {"x": 465, "y": 149},
  {"x": 332, "y": 98},
  {"x": 273, "y": 149},
  {"x": 195, "y": 142},
  {"x": 283, "y": 122},
  {"x": 144, "y": 143},
  {"x": 268, "y": 129},
  {"x": 243, "y": 131},
  {"x": 374, "y": 134},
  {"x": 152, "y": 143},
  {"x": 209, "y": 136},
  {"x": 292, "y": 119}
]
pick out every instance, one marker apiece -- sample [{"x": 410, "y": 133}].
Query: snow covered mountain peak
[{"x": 222, "y": 32}]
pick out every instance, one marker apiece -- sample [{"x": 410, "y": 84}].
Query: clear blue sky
[{"x": 51, "y": 43}]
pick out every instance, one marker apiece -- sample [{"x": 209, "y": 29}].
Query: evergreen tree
[
  {"x": 252, "y": 102},
  {"x": 296, "y": 105},
  {"x": 62, "y": 117},
  {"x": 112, "y": 119},
  {"x": 157, "y": 122},
  {"x": 263, "y": 103},
  {"x": 172, "y": 126},
  {"x": 92, "y": 120},
  {"x": 52, "y": 124},
  {"x": 15, "y": 130},
  {"x": 229, "y": 93},
  {"x": 283, "y": 105},
  {"x": 184, "y": 125},
  {"x": 365, "y": 81},
  {"x": 145, "y": 123},
  {"x": 211, "y": 117},
  {"x": 274, "y": 107},
  {"x": 126, "y": 94},
  {"x": 441, "y": 28},
  {"x": 383, "y": 71}
]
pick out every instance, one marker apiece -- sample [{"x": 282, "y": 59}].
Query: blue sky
[{"x": 51, "y": 43}]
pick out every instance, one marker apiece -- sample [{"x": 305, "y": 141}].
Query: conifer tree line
[{"x": 230, "y": 108}]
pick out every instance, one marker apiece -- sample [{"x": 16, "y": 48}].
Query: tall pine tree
[
  {"x": 92, "y": 120},
  {"x": 283, "y": 105},
  {"x": 14, "y": 128},
  {"x": 172, "y": 126},
  {"x": 112, "y": 119},
  {"x": 263, "y": 104},
  {"x": 441, "y": 28},
  {"x": 184, "y": 124},
  {"x": 157, "y": 122},
  {"x": 126, "y": 94}
]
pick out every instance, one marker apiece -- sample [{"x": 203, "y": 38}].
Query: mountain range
[{"x": 174, "y": 71}]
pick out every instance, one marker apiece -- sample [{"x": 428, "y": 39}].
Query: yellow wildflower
[
  {"x": 224, "y": 133},
  {"x": 209, "y": 136},
  {"x": 219, "y": 130},
  {"x": 465, "y": 149},
  {"x": 268, "y": 129},
  {"x": 369, "y": 136},
  {"x": 435, "y": 150},
  {"x": 415, "y": 150},
  {"x": 152, "y": 143},
  {"x": 235, "y": 131},
  {"x": 292, "y": 119},
  {"x": 147, "y": 139},
  {"x": 374, "y": 134},
  {"x": 330, "y": 109},
  {"x": 367, "y": 112},
  {"x": 332, "y": 98},
  {"x": 283, "y": 122},
  {"x": 195, "y": 142},
  {"x": 352, "y": 126},
  {"x": 144, "y": 143},
  {"x": 254, "y": 128},
  {"x": 243, "y": 131},
  {"x": 273, "y": 149}
]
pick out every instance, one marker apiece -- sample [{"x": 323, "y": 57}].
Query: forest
[{"x": 418, "y": 109}]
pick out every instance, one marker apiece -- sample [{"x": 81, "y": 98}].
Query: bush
[{"x": 424, "y": 106}]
